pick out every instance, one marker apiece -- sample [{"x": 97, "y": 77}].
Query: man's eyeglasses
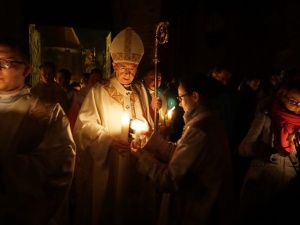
[
  {"x": 8, "y": 63},
  {"x": 293, "y": 103},
  {"x": 180, "y": 97},
  {"x": 128, "y": 70}
]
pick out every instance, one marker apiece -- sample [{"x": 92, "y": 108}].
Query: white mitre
[{"x": 127, "y": 47}]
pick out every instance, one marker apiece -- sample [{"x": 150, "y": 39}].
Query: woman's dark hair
[
  {"x": 287, "y": 85},
  {"x": 208, "y": 87}
]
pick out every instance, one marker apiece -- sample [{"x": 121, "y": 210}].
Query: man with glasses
[
  {"x": 108, "y": 188},
  {"x": 37, "y": 151}
]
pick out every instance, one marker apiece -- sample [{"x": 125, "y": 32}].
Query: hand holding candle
[{"x": 140, "y": 127}]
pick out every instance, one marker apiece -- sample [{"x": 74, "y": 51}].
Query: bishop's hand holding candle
[{"x": 142, "y": 130}]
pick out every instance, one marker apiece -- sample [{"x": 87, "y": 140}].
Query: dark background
[{"x": 253, "y": 36}]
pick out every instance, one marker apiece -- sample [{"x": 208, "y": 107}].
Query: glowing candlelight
[
  {"x": 168, "y": 117},
  {"x": 138, "y": 126},
  {"x": 169, "y": 113},
  {"x": 125, "y": 127}
]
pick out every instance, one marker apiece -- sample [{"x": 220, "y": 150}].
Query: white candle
[{"x": 125, "y": 127}]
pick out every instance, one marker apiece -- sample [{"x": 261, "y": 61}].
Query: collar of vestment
[
  {"x": 13, "y": 97},
  {"x": 125, "y": 97},
  {"x": 7, "y": 100}
]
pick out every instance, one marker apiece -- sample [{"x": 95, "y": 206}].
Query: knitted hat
[{"x": 127, "y": 47}]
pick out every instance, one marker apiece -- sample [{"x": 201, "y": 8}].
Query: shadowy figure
[{"x": 37, "y": 151}]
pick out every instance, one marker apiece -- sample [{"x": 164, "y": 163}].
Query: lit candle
[
  {"x": 169, "y": 116},
  {"x": 125, "y": 127},
  {"x": 138, "y": 126}
]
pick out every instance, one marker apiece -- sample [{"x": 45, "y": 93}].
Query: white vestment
[{"x": 108, "y": 187}]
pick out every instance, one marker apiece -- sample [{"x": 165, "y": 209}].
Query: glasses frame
[
  {"x": 180, "y": 96},
  {"x": 124, "y": 69},
  {"x": 292, "y": 102},
  {"x": 9, "y": 63}
]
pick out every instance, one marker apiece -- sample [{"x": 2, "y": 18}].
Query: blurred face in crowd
[
  {"x": 291, "y": 101},
  {"x": 149, "y": 80},
  {"x": 47, "y": 75},
  {"x": 187, "y": 100},
  {"x": 253, "y": 84},
  {"x": 223, "y": 76},
  {"x": 60, "y": 79},
  {"x": 125, "y": 72},
  {"x": 93, "y": 79},
  {"x": 13, "y": 71}
]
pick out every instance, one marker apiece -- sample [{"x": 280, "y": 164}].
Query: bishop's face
[{"x": 125, "y": 72}]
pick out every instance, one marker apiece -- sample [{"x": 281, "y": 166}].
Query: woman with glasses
[
  {"x": 272, "y": 143},
  {"x": 196, "y": 170}
]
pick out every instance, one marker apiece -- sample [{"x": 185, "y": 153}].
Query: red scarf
[{"x": 287, "y": 122}]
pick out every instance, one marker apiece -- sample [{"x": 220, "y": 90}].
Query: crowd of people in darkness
[{"x": 195, "y": 149}]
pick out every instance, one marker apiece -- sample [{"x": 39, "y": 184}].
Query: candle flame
[
  {"x": 169, "y": 113},
  {"x": 138, "y": 125}
]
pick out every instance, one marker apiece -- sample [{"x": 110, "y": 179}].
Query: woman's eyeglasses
[
  {"x": 180, "y": 97},
  {"x": 292, "y": 102}
]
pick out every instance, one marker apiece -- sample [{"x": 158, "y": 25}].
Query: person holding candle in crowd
[
  {"x": 108, "y": 188},
  {"x": 271, "y": 184},
  {"x": 197, "y": 169}
]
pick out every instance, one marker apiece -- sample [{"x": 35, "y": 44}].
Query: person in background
[
  {"x": 63, "y": 78},
  {"x": 245, "y": 107},
  {"x": 92, "y": 78},
  {"x": 84, "y": 79},
  {"x": 37, "y": 150},
  {"x": 177, "y": 115},
  {"x": 246, "y": 103},
  {"x": 97, "y": 75},
  {"x": 164, "y": 126},
  {"x": 108, "y": 188},
  {"x": 270, "y": 82},
  {"x": 271, "y": 184},
  {"x": 75, "y": 85},
  {"x": 197, "y": 169},
  {"x": 222, "y": 72},
  {"x": 48, "y": 89}
]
